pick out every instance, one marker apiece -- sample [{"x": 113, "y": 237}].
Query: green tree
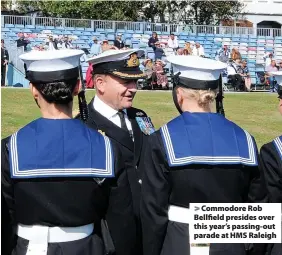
[
  {"x": 212, "y": 12},
  {"x": 192, "y": 12},
  {"x": 6, "y": 5},
  {"x": 153, "y": 10},
  {"x": 106, "y": 10}
]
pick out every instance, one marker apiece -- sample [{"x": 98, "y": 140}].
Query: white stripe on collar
[
  {"x": 207, "y": 159},
  {"x": 278, "y": 144},
  {"x": 108, "y": 171}
]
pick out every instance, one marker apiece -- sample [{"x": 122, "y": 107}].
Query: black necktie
[{"x": 122, "y": 120}]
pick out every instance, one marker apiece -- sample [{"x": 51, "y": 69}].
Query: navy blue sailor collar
[
  {"x": 60, "y": 148},
  {"x": 207, "y": 138}
]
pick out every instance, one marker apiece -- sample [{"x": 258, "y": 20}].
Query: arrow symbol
[{"x": 197, "y": 208}]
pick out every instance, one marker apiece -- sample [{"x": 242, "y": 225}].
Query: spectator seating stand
[{"x": 252, "y": 48}]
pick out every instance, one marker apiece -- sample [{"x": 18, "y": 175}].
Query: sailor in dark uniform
[
  {"x": 271, "y": 165},
  {"x": 6, "y": 228},
  {"x": 55, "y": 170},
  {"x": 198, "y": 157},
  {"x": 115, "y": 75}
]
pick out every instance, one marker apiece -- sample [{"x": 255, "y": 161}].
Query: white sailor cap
[
  {"x": 196, "y": 72},
  {"x": 278, "y": 78},
  {"x": 121, "y": 63},
  {"x": 51, "y": 66}
]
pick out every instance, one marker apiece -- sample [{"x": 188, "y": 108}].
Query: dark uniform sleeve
[
  {"x": 7, "y": 202},
  {"x": 119, "y": 215},
  {"x": 267, "y": 188},
  {"x": 270, "y": 164},
  {"x": 135, "y": 112},
  {"x": 271, "y": 170},
  {"x": 257, "y": 194},
  {"x": 257, "y": 189},
  {"x": 155, "y": 196}
]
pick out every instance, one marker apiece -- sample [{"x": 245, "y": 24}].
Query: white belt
[
  {"x": 39, "y": 236},
  {"x": 179, "y": 214},
  {"x": 183, "y": 215}
]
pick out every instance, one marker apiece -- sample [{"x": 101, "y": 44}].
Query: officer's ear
[{"x": 99, "y": 82}]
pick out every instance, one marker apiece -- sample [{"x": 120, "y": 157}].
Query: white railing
[
  {"x": 137, "y": 26},
  {"x": 19, "y": 20},
  {"x": 126, "y": 25},
  {"x": 269, "y": 32}
]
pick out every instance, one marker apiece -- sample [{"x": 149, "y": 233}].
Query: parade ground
[{"x": 256, "y": 112}]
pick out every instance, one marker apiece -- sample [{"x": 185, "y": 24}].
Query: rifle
[
  {"x": 82, "y": 104},
  {"x": 219, "y": 98}
]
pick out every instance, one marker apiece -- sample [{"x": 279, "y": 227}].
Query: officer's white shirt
[{"x": 110, "y": 113}]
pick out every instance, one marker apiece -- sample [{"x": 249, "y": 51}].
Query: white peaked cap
[
  {"x": 195, "y": 72},
  {"x": 48, "y": 61},
  {"x": 123, "y": 64},
  {"x": 51, "y": 66},
  {"x": 114, "y": 55},
  {"x": 197, "y": 68}
]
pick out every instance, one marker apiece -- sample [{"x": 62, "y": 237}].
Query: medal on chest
[{"x": 145, "y": 125}]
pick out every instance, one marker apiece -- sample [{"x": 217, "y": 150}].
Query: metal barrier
[{"x": 137, "y": 26}]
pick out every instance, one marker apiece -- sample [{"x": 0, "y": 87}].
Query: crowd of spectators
[
  {"x": 156, "y": 75},
  {"x": 57, "y": 42},
  {"x": 239, "y": 75},
  {"x": 237, "y": 71},
  {"x": 51, "y": 42},
  {"x": 190, "y": 48}
]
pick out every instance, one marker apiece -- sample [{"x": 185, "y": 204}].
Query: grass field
[{"x": 256, "y": 112}]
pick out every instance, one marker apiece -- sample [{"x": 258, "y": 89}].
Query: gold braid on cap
[{"x": 141, "y": 75}]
